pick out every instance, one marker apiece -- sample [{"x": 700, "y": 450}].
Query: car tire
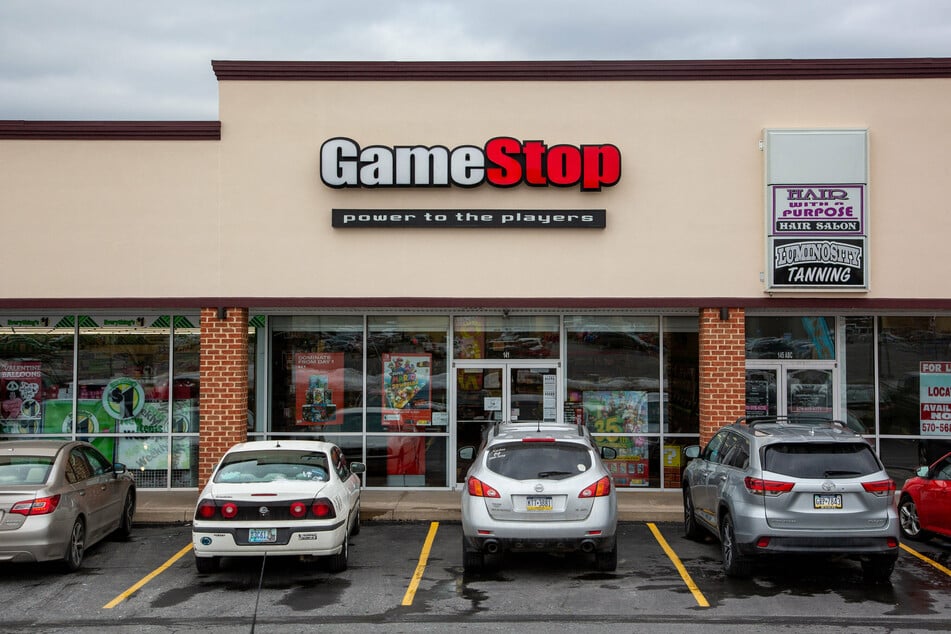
[
  {"x": 878, "y": 568},
  {"x": 125, "y": 520},
  {"x": 338, "y": 563},
  {"x": 606, "y": 560},
  {"x": 76, "y": 546},
  {"x": 735, "y": 563},
  {"x": 908, "y": 520},
  {"x": 207, "y": 565},
  {"x": 692, "y": 530},
  {"x": 472, "y": 560}
]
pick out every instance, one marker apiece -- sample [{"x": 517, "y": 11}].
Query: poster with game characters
[
  {"x": 21, "y": 394},
  {"x": 624, "y": 413},
  {"x": 318, "y": 382},
  {"x": 407, "y": 390}
]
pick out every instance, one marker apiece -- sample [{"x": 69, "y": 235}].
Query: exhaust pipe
[
  {"x": 491, "y": 546},
  {"x": 587, "y": 546}
]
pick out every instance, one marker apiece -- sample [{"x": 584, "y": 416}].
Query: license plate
[
  {"x": 538, "y": 503},
  {"x": 823, "y": 501},
  {"x": 262, "y": 535}
]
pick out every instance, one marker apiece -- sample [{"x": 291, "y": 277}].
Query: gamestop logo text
[{"x": 502, "y": 162}]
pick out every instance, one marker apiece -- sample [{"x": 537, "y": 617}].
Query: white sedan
[{"x": 278, "y": 497}]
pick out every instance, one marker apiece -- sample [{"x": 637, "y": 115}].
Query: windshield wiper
[{"x": 551, "y": 474}]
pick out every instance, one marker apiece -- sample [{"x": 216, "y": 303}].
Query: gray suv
[
  {"x": 538, "y": 488},
  {"x": 778, "y": 485}
]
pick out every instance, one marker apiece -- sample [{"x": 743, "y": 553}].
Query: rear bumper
[
  {"x": 217, "y": 541},
  {"x": 39, "y": 538}
]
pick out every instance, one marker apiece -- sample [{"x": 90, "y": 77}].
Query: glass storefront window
[
  {"x": 613, "y": 384},
  {"x": 36, "y": 369},
  {"x": 506, "y": 337},
  {"x": 903, "y": 344},
  {"x": 413, "y": 460},
  {"x": 682, "y": 375},
  {"x": 406, "y": 374},
  {"x": 790, "y": 338},
  {"x": 859, "y": 392},
  {"x": 317, "y": 374}
]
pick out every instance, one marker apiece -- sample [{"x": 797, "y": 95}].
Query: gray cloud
[{"x": 132, "y": 59}]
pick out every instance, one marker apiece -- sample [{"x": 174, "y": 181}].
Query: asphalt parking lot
[{"x": 408, "y": 576}]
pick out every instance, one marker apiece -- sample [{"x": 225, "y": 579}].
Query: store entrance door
[
  {"x": 791, "y": 388},
  {"x": 487, "y": 392}
]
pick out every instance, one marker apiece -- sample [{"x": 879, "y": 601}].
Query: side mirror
[
  {"x": 357, "y": 467},
  {"x": 608, "y": 453},
  {"x": 922, "y": 472},
  {"x": 119, "y": 468},
  {"x": 467, "y": 453},
  {"x": 692, "y": 451}
]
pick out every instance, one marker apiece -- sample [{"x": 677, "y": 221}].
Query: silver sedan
[{"x": 59, "y": 497}]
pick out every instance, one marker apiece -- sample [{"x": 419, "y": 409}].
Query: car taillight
[
  {"x": 297, "y": 510},
  {"x": 229, "y": 510},
  {"x": 759, "y": 486},
  {"x": 538, "y": 439},
  {"x": 599, "y": 489},
  {"x": 37, "y": 506},
  {"x": 478, "y": 488},
  {"x": 206, "y": 509},
  {"x": 323, "y": 509},
  {"x": 880, "y": 488}
]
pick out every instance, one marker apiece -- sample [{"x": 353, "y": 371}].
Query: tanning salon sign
[
  {"x": 818, "y": 237},
  {"x": 500, "y": 162}
]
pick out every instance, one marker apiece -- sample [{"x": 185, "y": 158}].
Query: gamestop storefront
[{"x": 394, "y": 255}]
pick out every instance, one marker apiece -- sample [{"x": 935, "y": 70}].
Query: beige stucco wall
[{"x": 249, "y": 217}]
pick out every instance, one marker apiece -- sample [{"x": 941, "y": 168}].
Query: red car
[{"x": 924, "y": 506}]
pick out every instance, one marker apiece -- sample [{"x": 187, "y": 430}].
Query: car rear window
[
  {"x": 821, "y": 460},
  {"x": 538, "y": 460},
  {"x": 268, "y": 466},
  {"x": 25, "y": 469}
]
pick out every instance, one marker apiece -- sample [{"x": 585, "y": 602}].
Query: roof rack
[{"x": 801, "y": 420}]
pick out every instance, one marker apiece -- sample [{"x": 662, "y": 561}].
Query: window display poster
[
  {"x": 21, "y": 392},
  {"x": 318, "y": 383},
  {"x": 621, "y": 412},
  {"x": 407, "y": 390},
  {"x": 470, "y": 337},
  {"x": 935, "y": 398}
]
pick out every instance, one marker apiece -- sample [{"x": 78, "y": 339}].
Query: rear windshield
[
  {"x": 818, "y": 460},
  {"x": 25, "y": 469},
  {"x": 534, "y": 460},
  {"x": 268, "y": 466}
]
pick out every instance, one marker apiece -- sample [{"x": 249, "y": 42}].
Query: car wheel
[
  {"x": 692, "y": 530},
  {"x": 125, "y": 521},
  {"x": 76, "y": 546},
  {"x": 908, "y": 519},
  {"x": 472, "y": 560},
  {"x": 606, "y": 560},
  {"x": 735, "y": 564},
  {"x": 207, "y": 565},
  {"x": 878, "y": 568},
  {"x": 338, "y": 562}
]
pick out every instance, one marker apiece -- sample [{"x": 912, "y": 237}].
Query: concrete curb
[{"x": 178, "y": 507}]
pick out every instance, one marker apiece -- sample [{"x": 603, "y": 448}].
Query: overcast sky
[{"x": 151, "y": 60}]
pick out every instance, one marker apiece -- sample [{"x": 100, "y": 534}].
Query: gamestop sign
[{"x": 501, "y": 162}]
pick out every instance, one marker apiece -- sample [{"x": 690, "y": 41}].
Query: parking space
[{"x": 287, "y": 595}]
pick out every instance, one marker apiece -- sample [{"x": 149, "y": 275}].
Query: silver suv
[
  {"x": 538, "y": 487},
  {"x": 779, "y": 485}
]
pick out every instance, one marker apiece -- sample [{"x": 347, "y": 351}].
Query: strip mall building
[{"x": 392, "y": 255}]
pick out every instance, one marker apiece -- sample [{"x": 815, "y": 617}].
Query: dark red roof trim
[
  {"x": 112, "y": 130},
  {"x": 606, "y": 70},
  {"x": 840, "y": 304}
]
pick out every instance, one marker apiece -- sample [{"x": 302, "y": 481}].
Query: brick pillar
[
  {"x": 722, "y": 369},
  {"x": 224, "y": 386}
]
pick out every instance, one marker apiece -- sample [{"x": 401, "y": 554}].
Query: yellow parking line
[
  {"x": 421, "y": 566},
  {"x": 125, "y": 595},
  {"x": 694, "y": 590},
  {"x": 926, "y": 560}
]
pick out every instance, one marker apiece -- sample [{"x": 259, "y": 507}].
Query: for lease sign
[{"x": 935, "y": 398}]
